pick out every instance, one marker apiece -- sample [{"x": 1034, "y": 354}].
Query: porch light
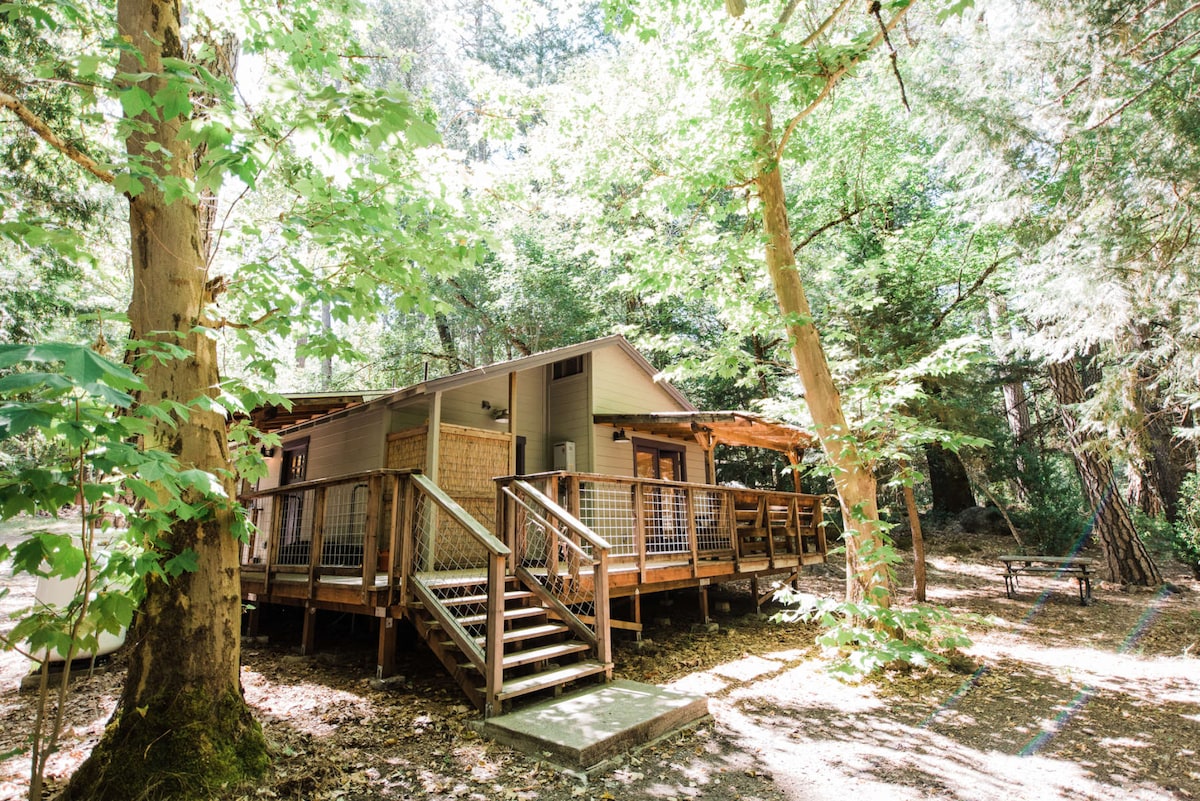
[
  {"x": 499, "y": 415},
  {"x": 619, "y": 436}
]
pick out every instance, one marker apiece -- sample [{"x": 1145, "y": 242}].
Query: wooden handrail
[
  {"x": 325, "y": 482},
  {"x": 582, "y": 554},
  {"x": 460, "y": 515},
  {"x": 568, "y": 519}
]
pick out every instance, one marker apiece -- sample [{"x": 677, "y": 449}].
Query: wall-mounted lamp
[
  {"x": 267, "y": 451},
  {"x": 499, "y": 415},
  {"x": 619, "y": 436}
]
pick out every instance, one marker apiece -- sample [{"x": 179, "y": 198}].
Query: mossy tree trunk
[{"x": 182, "y": 728}]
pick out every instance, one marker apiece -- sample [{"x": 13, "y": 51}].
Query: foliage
[
  {"x": 1051, "y": 517},
  {"x": 80, "y": 403},
  {"x": 867, "y": 637},
  {"x": 1185, "y": 532}
]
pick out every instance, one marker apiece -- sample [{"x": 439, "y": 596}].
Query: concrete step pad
[{"x": 585, "y": 728}]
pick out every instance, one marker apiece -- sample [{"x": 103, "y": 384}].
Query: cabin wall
[
  {"x": 530, "y": 410},
  {"x": 464, "y": 406},
  {"x": 349, "y": 444},
  {"x": 620, "y": 386},
  {"x": 569, "y": 416}
]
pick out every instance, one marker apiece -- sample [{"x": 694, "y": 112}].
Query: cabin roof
[
  {"x": 539, "y": 360},
  {"x": 307, "y": 408},
  {"x": 725, "y": 428}
]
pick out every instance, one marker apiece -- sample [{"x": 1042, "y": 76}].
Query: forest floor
[{"x": 1059, "y": 701}]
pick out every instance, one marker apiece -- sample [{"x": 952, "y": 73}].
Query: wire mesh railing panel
[
  {"x": 556, "y": 559},
  {"x": 345, "y": 524},
  {"x": 665, "y": 511},
  {"x": 709, "y": 508},
  {"x": 254, "y": 552},
  {"x": 295, "y": 527},
  {"x": 442, "y": 544},
  {"x": 607, "y": 509}
]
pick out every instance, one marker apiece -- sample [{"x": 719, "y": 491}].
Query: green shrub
[
  {"x": 1185, "y": 533},
  {"x": 1053, "y": 520}
]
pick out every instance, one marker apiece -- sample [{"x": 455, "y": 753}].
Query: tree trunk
[
  {"x": 918, "y": 540},
  {"x": 182, "y": 728},
  {"x": 1016, "y": 400},
  {"x": 948, "y": 481},
  {"x": 866, "y": 577},
  {"x": 1124, "y": 554}
]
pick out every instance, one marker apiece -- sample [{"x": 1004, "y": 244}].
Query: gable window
[{"x": 567, "y": 367}]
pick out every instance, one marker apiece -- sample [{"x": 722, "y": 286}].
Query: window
[
  {"x": 568, "y": 367},
  {"x": 659, "y": 460}
]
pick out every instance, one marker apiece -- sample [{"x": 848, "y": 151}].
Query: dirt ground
[{"x": 1065, "y": 702}]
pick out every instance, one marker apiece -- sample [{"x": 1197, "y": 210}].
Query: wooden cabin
[{"x": 515, "y": 513}]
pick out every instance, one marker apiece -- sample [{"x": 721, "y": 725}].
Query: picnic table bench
[{"x": 1076, "y": 567}]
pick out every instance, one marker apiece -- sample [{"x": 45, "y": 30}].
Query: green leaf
[
  {"x": 135, "y": 101},
  {"x": 185, "y": 561}
]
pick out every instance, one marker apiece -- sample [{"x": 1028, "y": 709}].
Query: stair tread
[
  {"x": 528, "y": 632},
  {"x": 550, "y": 678},
  {"x": 544, "y": 652},
  {"x": 509, "y": 614},
  {"x": 511, "y": 595}
]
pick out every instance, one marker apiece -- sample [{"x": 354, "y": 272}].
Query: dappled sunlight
[{"x": 901, "y": 761}]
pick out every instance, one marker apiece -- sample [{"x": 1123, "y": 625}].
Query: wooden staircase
[{"x": 539, "y": 650}]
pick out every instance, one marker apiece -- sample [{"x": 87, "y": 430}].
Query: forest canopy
[{"x": 956, "y": 240}]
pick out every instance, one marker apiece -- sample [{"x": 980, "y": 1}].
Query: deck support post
[
  {"x": 704, "y": 618},
  {"x": 252, "y": 619},
  {"x": 308, "y": 635},
  {"x": 635, "y": 609},
  {"x": 385, "y": 663},
  {"x": 754, "y": 592}
]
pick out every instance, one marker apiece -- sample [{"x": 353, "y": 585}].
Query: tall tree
[
  {"x": 1125, "y": 556},
  {"x": 182, "y": 728}
]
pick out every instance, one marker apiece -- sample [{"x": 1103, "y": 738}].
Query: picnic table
[{"x": 1076, "y": 567}]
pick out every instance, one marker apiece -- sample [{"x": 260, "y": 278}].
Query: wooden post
[
  {"x": 394, "y": 536},
  {"x": 385, "y": 662},
  {"x": 252, "y": 620},
  {"x": 370, "y": 546},
  {"x": 635, "y": 602},
  {"x": 512, "y": 423},
  {"x": 494, "y": 636},
  {"x": 407, "y": 538},
  {"x": 704, "y": 618},
  {"x": 689, "y": 512},
  {"x": 603, "y": 629},
  {"x": 794, "y": 460},
  {"x": 639, "y": 527},
  {"x": 273, "y": 534},
  {"x": 317, "y": 544},
  {"x": 308, "y": 634}
]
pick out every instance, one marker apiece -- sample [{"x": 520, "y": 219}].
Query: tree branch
[
  {"x": 963, "y": 296},
  {"x": 833, "y": 79},
  {"x": 43, "y": 131},
  {"x": 846, "y": 217}
]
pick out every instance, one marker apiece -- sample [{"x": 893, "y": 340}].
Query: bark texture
[
  {"x": 1125, "y": 556},
  {"x": 855, "y": 482},
  {"x": 182, "y": 728}
]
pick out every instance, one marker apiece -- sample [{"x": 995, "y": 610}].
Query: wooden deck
[{"x": 563, "y": 545}]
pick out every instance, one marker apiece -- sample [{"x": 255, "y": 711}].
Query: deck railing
[
  {"x": 651, "y": 520},
  {"x": 561, "y": 560},
  {"x": 340, "y": 526}
]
